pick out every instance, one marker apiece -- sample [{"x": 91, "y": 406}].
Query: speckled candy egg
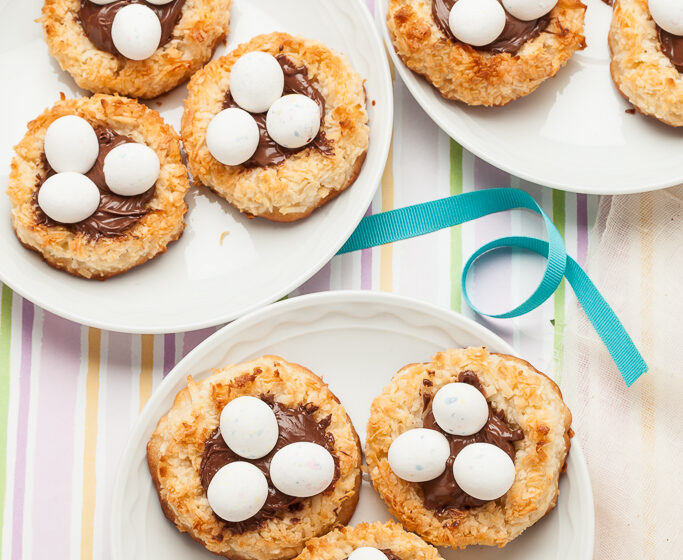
[
  {"x": 460, "y": 409},
  {"x": 293, "y": 121},
  {"x": 256, "y": 81},
  {"x": 484, "y": 471},
  {"x": 302, "y": 469},
  {"x": 237, "y": 491},
  {"x": 136, "y": 31},
  {"x": 419, "y": 455},
  {"x": 668, "y": 14},
  {"x": 131, "y": 169},
  {"x": 68, "y": 198},
  {"x": 529, "y": 10},
  {"x": 367, "y": 553},
  {"x": 232, "y": 136},
  {"x": 477, "y": 22},
  {"x": 249, "y": 427},
  {"x": 71, "y": 145}
]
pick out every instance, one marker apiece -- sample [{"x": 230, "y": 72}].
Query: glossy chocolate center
[
  {"x": 514, "y": 35},
  {"x": 268, "y": 151},
  {"x": 97, "y": 20},
  {"x": 116, "y": 213},
  {"x": 443, "y": 492},
  {"x": 295, "y": 425},
  {"x": 672, "y": 47}
]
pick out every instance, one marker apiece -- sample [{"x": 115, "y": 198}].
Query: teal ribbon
[{"x": 420, "y": 219}]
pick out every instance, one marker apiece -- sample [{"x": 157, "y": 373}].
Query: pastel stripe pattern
[
  {"x": 5, "y": 338},
  {"x": 559, "y": 220},
  {"x": 69, "y": 395},
  {"x": 90, "y": 442}
]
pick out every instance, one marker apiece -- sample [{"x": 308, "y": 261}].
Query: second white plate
[
  {"x": 225, "y": 264},
  {"x": 572, "y": 133},
  {"x": 356, "y": 341}
]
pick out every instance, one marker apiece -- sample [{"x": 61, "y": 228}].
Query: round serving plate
[
  {"x": 225, "y": 264},
  {"x": 356, "y": 341},
  {"x": 573, "y": 133}
]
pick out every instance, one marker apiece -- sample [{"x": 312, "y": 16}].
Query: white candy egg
[
  {"x": 103, "y": 2},
  {"x": 367, "y": 553},
  {"x": 249, "y": 427},
  {"x": 302, "y": 469},
  {"x": 293, "y": 120},
  {"x": 131, "y": 169},
  {"x": 477, "y": 22},
  {"x": 484, "y": 471},
  {"x": 419, "y": 455},
  {"x": 136, "y": 31},
  {"x": 159, "y": 2},
  {"x": 528, "y": 10},
  {"x": 68, "y": 197},
  {"x": 256, "y": 81},
  {"x": 71, "y": 145},
  {"x": 237, "y": 491},
  {"x": 232, "y": 136},
  {"x": 460, "y": 409},
  {"x": 668, "y": 14}
]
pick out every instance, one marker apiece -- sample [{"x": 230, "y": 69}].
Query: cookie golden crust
[
  {"x": 338, "y": 544},
  {"x": 305, "y": 180},
  {"x": 475, "y": 77},
  {"x": 174, "y": 454},
  {"x": 202, "y": 26},
  {"x": 530, "y": 401},
  {"x": 104, "y": 257},
  {"x": 641, "y": 71}
]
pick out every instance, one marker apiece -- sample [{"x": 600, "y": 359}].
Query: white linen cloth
[{"x": 632, "y": 437}]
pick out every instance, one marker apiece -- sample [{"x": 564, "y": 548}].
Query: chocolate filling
[
  {"x": 268, "y": 151},
  {"x": 672, "y": 47},
  {"x": 443, "y": 492},
  {"x": 97, "y": 20},
  {"x": 295, "y": 425},
  {"x": 514, "y": 35},
  {"x": 115, "y": 213}
]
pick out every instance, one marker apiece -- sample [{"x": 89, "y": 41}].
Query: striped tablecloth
[{"x": 69, "y": 395}]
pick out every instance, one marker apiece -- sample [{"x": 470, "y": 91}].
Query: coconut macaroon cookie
[
  {"x": 138, "y": 48},
  {"x": 468, "y": 449},
  {"x": 486, "y": 52},
  {"x": 277, "y": 127},
  {"x": 646, "y": 42},
  {"x": 369, "y": 541},
  {"x": 256, "y": 459},
  {"x": 97, "y": 186}
]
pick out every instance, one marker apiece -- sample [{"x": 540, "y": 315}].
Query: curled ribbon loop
[{"x": 428, "y": 217}]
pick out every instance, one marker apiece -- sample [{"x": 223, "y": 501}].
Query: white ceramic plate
[
  {"x": 572, "y": 133},
  {"x": 356, "y": 341},
  {"x": 200, "y": 281}
]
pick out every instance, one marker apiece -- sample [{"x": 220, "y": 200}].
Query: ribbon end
[{"x": 632, "y": 374}]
